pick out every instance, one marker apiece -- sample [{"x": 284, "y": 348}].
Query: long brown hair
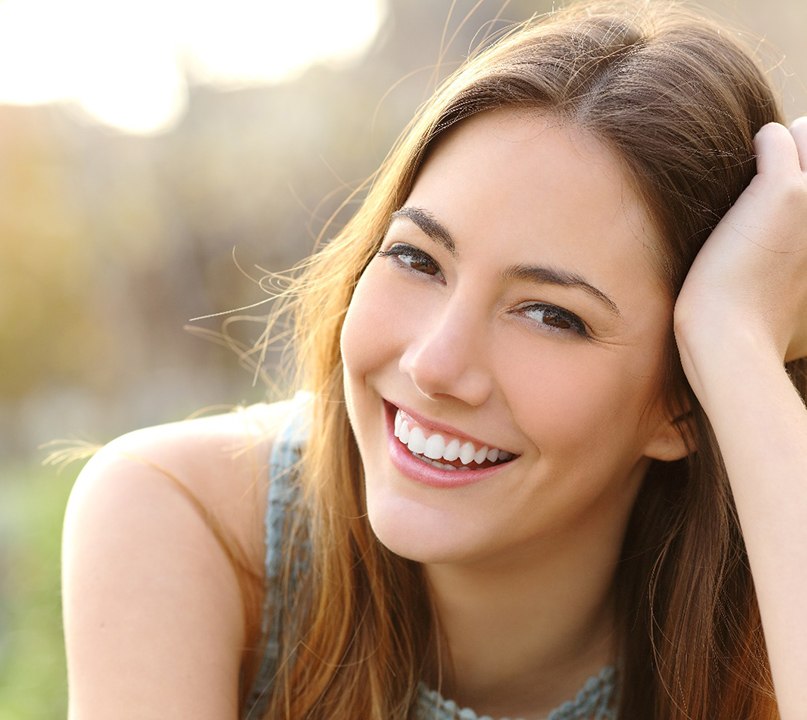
[{"x": 679, "y": 102}]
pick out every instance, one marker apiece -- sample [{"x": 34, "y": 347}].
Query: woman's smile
[
  {"x": 504, "y": 351},
  {"x": 439, "y": 456}
]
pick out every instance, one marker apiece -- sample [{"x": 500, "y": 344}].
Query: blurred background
[{"x": 156, "y": 159}]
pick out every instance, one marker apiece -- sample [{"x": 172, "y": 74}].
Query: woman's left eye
[
  {"x": 555, "y": 318},
  {"x": 412, "y": 258}
]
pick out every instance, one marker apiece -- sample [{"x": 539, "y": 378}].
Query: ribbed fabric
[
  {"x": 282, "y": 493},
  {"x": 595, "y": 701}
]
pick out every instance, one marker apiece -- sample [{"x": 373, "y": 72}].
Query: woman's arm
[
  {"x": 741, "y": 313},
  {"x": 153, "y": 613}
]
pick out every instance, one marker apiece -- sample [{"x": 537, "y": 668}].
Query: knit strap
[{"x": 282, "y": 494}]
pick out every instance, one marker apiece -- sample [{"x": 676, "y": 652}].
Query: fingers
[
  {"x": 777, "y": 153},
  {"x": 799, "y": 132}
]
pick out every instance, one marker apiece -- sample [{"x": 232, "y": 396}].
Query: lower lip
[{"x": 424, "y": 473}]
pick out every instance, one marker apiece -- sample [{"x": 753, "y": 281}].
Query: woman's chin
[{"x": 420, "y": 533}]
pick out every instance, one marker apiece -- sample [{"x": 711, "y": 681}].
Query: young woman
[{"x": 551, "y": 458}]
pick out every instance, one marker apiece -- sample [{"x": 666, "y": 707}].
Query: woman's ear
[{"x": 674, "y": 437}]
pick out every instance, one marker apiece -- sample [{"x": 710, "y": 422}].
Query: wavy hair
[{"x": 678, "y": 101}]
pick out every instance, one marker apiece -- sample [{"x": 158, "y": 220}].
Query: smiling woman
[
  {"x": 488, "y": 336},
  {"x": 549, "y": 459}
]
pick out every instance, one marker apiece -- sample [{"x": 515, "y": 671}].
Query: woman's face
[{"x": 512, "y": 317}]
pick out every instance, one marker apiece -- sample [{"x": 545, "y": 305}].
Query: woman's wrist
[{"x": 723, "y": 360}]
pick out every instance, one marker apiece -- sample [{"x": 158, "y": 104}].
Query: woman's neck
[{"x": 521, "y": 636}]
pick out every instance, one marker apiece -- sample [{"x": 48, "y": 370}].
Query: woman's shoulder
[
  {"x": 218, "y": 463},
  {"x": 232, "y": 437},
  {"x": 159, "y": 525}
]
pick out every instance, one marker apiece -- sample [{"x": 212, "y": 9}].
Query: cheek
[
  {"x": 574, "y": 399},
  {"x": 367, "y": 338}
]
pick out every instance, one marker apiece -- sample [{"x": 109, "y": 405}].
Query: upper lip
[{"x": 446, "y": 429}]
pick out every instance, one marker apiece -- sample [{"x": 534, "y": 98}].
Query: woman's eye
[
  {"x": 555, "y": 318},
  {"x": 412, "y": 258}
]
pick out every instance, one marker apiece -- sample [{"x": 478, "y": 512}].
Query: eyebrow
[
  {"x": 428, "y": 224},
  {"x": 531, "y": 273},
  {"x": 553, "y": 276}
]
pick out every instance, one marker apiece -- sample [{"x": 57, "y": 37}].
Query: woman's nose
[{"x": 448, "y": 358}]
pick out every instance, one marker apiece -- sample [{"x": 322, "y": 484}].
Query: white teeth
[
  {"x": 417, "y": 441},
  {"x": 435, "y": 445},
  {"x": 467, "y": 452},
  {"x": 440, "y": 465},
  {"x": 452, "y": 451}
]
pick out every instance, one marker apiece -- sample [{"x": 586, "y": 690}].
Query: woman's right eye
[{"x": 412, "y": 258}]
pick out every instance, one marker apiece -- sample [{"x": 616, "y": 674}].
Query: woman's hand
[
  {"x": 741, "y": 313},
  {"x": 747, "y": 289}
]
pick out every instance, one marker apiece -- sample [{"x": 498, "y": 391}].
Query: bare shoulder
[
  {"x": 217, "y": 463},
  {"x": 154, "y": 612}
]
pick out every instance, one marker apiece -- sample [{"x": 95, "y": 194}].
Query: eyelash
[
  {"x": 400, "y": 251},
  {"x": 573, "y": 323},
  {"x": 409, "y": 257}
]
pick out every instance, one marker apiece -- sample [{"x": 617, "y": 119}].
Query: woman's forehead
[{"x": 516, "y": 174}]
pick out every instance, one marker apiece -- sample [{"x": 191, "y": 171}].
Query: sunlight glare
[{"x": 127, "y": 64}]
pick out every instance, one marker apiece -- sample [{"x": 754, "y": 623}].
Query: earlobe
[{"x": 674, "y": 438}]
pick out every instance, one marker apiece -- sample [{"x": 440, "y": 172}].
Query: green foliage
[{"x": 32, "y": 666}]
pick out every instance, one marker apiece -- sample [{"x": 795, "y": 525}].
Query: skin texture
[{"x": 459, "y": 340}]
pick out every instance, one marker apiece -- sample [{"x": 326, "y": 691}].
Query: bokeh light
[{"x": 128, "y": 63}]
